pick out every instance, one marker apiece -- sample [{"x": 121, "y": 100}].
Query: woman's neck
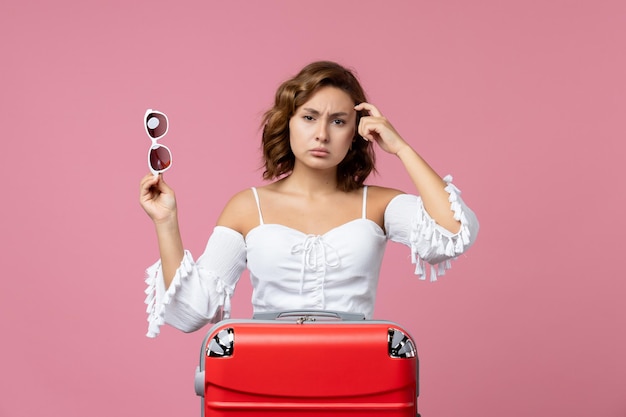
[{"x": 310, "y": 182}]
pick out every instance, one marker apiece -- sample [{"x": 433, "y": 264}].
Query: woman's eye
[
  {"x": 307, "y": 117},
  {"x": 339, "y": 122}
]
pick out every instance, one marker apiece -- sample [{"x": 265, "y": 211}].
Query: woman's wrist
[
  {"x": 167, "y": 223},
  {"x": 404, "y": 150}
]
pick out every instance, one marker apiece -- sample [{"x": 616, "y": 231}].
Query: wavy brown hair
[{"x": 279, "y": 159}]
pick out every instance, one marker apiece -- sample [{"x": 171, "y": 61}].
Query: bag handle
[{"x": 309, "y": 315}]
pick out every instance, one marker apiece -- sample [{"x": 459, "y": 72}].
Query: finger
[
  {"x": 163, "y": 188},
  {"x": 373, "y": 110},
  {"x": 363, "y": 130},
  {"x": 147, "y": 177},
  {"x": 152, "y": 187},
  {"x": 370, "y": 128},
  {"x": 148, "y": 182}
]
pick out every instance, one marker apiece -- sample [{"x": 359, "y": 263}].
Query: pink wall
[{"x": 522, "y": 101}]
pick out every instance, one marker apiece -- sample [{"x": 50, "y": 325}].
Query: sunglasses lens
[
  {"x": 156, "y": 124},
  {"x": 160, "y": 158}
]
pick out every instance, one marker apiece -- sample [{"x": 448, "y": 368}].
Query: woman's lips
[{"x": 319, "y": 152}]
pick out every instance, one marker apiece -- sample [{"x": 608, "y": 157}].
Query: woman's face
[{"x": 322, "y": 129}]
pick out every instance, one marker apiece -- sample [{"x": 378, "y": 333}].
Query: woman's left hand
[{"x": 376, "y": 127}]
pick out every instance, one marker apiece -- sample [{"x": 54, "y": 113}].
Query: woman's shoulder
[
  {"x": 240, "y": 212},
  {"x": 378, "y": 198},
  {"x": 381, "y": 195}
]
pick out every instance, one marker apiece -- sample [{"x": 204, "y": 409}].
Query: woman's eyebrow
[{"x": 317, "y": 113}]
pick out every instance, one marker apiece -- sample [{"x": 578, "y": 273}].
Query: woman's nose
[{"x": 322, "y": 133}]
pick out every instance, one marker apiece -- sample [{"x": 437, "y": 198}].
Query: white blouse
[{"x": 292, "y": 270}]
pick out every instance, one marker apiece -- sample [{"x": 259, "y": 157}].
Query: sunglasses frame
[{"x": 155, "y": 144}]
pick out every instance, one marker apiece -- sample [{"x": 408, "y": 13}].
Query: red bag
[{"x": 307, "y": 363}]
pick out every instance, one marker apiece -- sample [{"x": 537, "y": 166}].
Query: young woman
[{"x": 313, "y": 238}]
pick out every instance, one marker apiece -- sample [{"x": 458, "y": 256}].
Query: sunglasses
[{"x": 159, "y": 156}]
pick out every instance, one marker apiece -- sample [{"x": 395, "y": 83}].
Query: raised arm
[
  {"x": 429, "y": 184},
  {"x": 159, "y": 201}
]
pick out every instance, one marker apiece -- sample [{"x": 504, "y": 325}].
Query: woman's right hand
[{"x": 157, "y": 198}]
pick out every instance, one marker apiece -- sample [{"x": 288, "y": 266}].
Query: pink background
[{"x": 522, "y": 101}]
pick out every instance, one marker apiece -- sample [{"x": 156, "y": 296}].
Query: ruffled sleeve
[
  {"x": 200, "y": 291},
  {"x": 407, "y": 222}
]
